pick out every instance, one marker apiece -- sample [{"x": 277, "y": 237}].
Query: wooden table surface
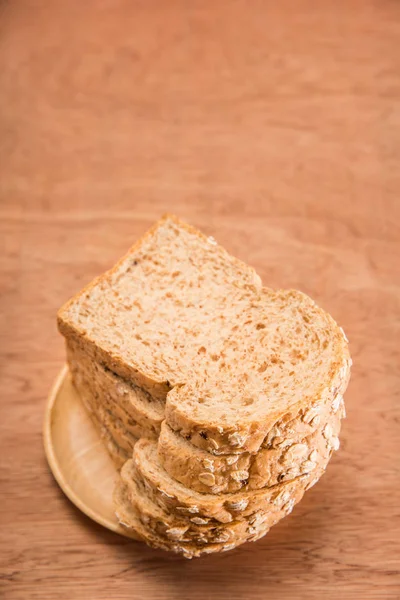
[{"x": 274, "y": 127}]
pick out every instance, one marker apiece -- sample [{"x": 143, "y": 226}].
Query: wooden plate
[{"x": 76, "y": 455}]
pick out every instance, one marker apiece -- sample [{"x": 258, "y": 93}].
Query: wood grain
[{"x": 274, "y": 127}]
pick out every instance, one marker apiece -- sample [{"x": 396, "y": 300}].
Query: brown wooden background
[{"x": 274, "y": 127}]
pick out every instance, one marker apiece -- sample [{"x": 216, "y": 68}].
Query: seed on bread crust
[
  {"x": 121, "y": 389},
  {"x": 315, "y": 421},
  {"x": 176, "y": 532},
  {"x": 335, "y": 442},
  {"x": 228, "y": 547},
  {"x": 336, "y": 403},
  {"x": 294, "y": 453},
  {"x": 327, "y": 432},
  {"x": 256, "y": 536},
  {"x": 214, "y": 445},
  {"x": 240, "y": 475},
  {"x": 235, "y": 439},
  {"x": 223, "y": 536},
  {"x": 199, "y": 521},
  {"x": 307, "y": 466},
  {"x": 310, "y": 414},
  {"x": 289, "y": 506},
  {"x": 258, "y": 519},
  {"x": 237, "y": 506},
  {"x": 207, "y": 478},
  {"x": 290, "y": 474},
  {"x": 281, "y": 498},
  {"x": 274, "y": 432},
  {"x": 252, "y": 530},
  {"x": 282, "y": 442},
  {"x": 163, "y": 493},
  {"x": 209, "y": 465},
  {"x": 190, "y": 509}
]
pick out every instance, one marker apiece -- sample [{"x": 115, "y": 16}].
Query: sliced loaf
[{"x": 229, "y": 372}]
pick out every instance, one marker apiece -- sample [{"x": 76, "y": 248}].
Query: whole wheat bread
[{"x": 183, "y": 320}]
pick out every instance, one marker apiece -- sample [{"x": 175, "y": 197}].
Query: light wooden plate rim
[{"x": 56, "y": 467}]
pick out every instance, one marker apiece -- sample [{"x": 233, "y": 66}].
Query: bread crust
[{"x": 281, "y": 460}]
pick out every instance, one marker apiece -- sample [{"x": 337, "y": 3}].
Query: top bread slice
[{"x": 193, "y": 326}]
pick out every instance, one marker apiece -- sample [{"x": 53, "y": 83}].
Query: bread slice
[
  {"x": 263, "y": 423},
  {"x": 121, "y": 317},
  {"x": 125, "y": 411},
  {"x": 182, "y": 319},
  {"x": 114, "y": 444},
  {"x": 130, "y": 518},
  {"x": 206, "y": 473},
  {"x": 175, "y": 498},
  {"x": 180, "y": 528}
]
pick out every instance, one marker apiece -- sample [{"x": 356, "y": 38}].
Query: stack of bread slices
[{"x": 219, "y": 400}]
